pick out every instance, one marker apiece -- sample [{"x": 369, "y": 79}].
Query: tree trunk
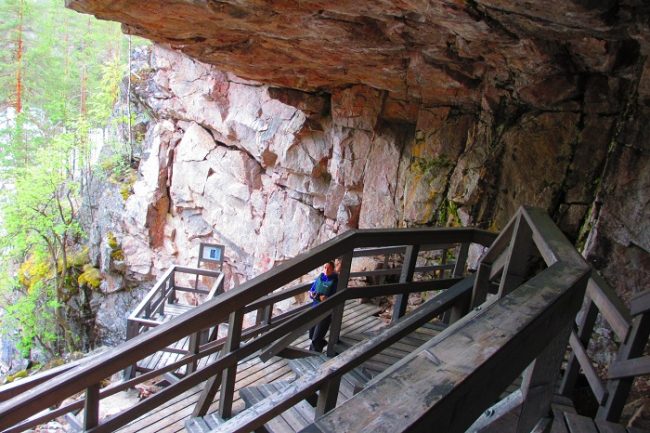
[{"x": 19, "y": 59}]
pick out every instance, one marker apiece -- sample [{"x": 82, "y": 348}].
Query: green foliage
[
  {"x": 90, "y": 277},
  {"x": 112, "y": 240},
  {"x": 448, "y": 214},
  {"x": 430, "y": 167},
  {"x": 71, "y": 67},
  {"x": 117, "y": 253}
]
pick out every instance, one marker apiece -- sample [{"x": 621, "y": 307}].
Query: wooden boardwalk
[
  {"x": 163, "y": 358},
  {"x": 359, "y": 322}
]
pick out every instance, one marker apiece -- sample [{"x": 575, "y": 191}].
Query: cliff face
[{"x": 388, "y": 114}]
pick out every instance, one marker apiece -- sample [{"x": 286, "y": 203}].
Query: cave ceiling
[{"x": 424, "y": 52}]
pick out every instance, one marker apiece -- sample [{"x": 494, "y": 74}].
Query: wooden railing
[
  {"x": 269, "y": 334},
  {"x": 150, "y": 312},
  {"x": 631, "y": 328},
  {"x": 539, "y": 281}
]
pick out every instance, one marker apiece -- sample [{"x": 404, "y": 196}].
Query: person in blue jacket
[{"x": 323, "y": 287}]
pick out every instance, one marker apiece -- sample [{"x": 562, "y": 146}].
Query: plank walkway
[{"x": 359, "y": 322}]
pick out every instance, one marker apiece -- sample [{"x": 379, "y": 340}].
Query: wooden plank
[
  {"x": 459, "y": 367},
  {"x": 609, "y": 304},
  {"x": 587, "y": 319},
  {"x": 137, "y": 312},
  {"x": 481, "y": 285},
  {"x": 276, "y": 297},
  {"x": 551, "y": 243},
  {"x": 579, "y": 424},
  {"x": 629, "y": 368},
  {"x": 599, "y": 390},
  {"x": 182, "y": 405},
  {"x": 519, "y": 254},
  {"x": 543, "y": 426},
  {"x": 335, "y": 367}
]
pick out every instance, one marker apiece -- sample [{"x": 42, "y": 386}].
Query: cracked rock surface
[{"x": 285, "y": 123}]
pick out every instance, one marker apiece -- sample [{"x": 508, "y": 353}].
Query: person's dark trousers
[{"x": 317, "y": 334}]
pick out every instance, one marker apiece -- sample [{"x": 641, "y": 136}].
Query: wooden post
[
  {"x": 327, "y": 396},
  {"x": 539, "y": 381},
  {"x": 207, "y": 395},
  {"x": 132, "y": 328},
  {"x": 264, "y": 315},
  {"x": 586, "y": 320},
  {"x": 91, "y": 407},
  {"x": 230, "y": 374},
  {"x": 195, "y": 341},
  {"x": 337, "y": 312},
  {"x": 518, "y": 261},
  {"x": 462, "y": 307},
  {"x": 481, "y": 285},
  {"x": 619, "y": 389},
  {"x": 461, "y": 260},
  {"x": 408, "y": 268},
  {"x": 171, "y": 297}
]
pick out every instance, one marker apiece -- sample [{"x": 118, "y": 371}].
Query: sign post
[{"x": 211, "y": 253}]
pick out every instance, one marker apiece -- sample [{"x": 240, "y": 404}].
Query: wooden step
[
  {"x": 292, "y": 420},
  {"x": 351, "y": 382},
  {"x": 203, "y": 424},
  {"x": 196, "y": 425}
]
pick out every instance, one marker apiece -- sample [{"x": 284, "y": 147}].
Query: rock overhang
[{"x": 453, "y": 52}]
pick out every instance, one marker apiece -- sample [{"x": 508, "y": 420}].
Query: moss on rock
[{"x": 90, "y": 277}]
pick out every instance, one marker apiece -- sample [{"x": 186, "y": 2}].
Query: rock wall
[{"x": 270, "y": 172}]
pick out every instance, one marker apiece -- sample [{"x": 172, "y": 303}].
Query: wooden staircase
[{"x": 507, "y": 320}]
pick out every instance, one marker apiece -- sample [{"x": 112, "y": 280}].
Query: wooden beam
[
  {"x": 609, "y": 305},
  {"x": 410, "y": 260},
  {"x": 519, "y": 254},
  {"x": 629, "y": 368},
  {"x": 461, "y": 260},
  {"x": 586, "y": 321},
  {"x": 91, "y": 407},
  {"x": 539, "y": 379},
  {"x": 230, "y": 373},
  {"x": 600, "y": 393}
]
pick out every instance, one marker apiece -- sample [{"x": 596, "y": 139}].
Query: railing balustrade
[{"x": 258, "y": 294}]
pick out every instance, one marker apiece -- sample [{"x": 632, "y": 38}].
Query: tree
[
  {"x": 59, "y": 76},
  {"x": 40, "y": 223}
]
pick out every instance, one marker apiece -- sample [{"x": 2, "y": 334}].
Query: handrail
[
  {"x": 217, "y": 311},
  {"x": 137, "y": 312},
  {"x": 450, "y": 381}
]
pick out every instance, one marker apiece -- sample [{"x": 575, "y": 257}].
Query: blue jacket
[{"x": 323, "y": 285}]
